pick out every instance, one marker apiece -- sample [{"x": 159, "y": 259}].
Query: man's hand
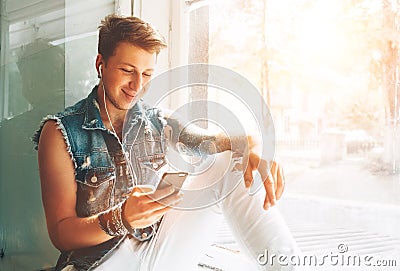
[
  {"x": 141, "y": 211},
  {"x": 272, "y": 177}
]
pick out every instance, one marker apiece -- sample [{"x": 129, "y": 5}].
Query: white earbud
[{"x": 100, "y": 73}]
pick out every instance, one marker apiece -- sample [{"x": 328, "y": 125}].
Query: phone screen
[{"x": 176, "y": 179}]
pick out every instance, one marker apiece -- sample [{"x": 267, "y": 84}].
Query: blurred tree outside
[
  {"x": 319, "y": 64},
  {"x": 390, "y": 82}
]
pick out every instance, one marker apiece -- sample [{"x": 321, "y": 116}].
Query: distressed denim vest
[{"x": 102, "y": 176}]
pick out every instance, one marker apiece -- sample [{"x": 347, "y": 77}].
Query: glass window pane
[
  {"x": 47, "y": 58},
  {"x": 32, "y": 86},
  {"x": 329, "y": 73},
  {"x": 82, "y": 20}
]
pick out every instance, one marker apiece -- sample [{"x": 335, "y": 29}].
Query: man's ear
[{"x": 99, "y": 64}]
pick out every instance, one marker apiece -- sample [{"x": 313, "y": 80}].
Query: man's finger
[
  {"x": 153, "y": 216},
  {"x": 248, "y": 170},
  {"x": 160, "y": 194},
  {"x": 274, "y": 171},
  {"x": 248, "y": 176},
  {"x": 269, "y": 185},
  {"x": 135, "y": 191},
  {"x": 267, "y": 204},
  {"x": 169, "y": 201},
  {"x": 280, "y": 184},
  {"x": 160, "y": 212}
]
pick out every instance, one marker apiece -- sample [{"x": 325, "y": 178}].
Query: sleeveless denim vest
[{"x": 102, "y": 176}]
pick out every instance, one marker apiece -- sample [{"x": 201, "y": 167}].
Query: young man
[{"x": 94, "y": 217}]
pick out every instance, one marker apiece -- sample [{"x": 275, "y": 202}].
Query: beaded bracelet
[
  {"x": 111, "y": 221},
  {"x": 140, "y": 234}
]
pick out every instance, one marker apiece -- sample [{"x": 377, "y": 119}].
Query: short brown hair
[{"x": 115, "y": 29}]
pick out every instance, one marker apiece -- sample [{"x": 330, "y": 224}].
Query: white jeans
[{"x": 184, "y": 235}]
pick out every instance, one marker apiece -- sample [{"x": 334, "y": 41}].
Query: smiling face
[{"x": 124, "y": 74}]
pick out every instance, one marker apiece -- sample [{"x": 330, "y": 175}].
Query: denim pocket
[
  {"x": 149, "y": 167},
  {"x": 94, "y": 193}
]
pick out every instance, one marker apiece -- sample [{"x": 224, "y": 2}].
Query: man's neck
[
  {"x": 113, "y": 118},
  {"x": 114, "y": 121}
]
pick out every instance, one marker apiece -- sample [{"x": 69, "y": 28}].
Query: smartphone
[{"x": 176, "y": 179}]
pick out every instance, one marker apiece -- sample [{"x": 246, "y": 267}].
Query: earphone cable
[{"x": 119, "y": 141}]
